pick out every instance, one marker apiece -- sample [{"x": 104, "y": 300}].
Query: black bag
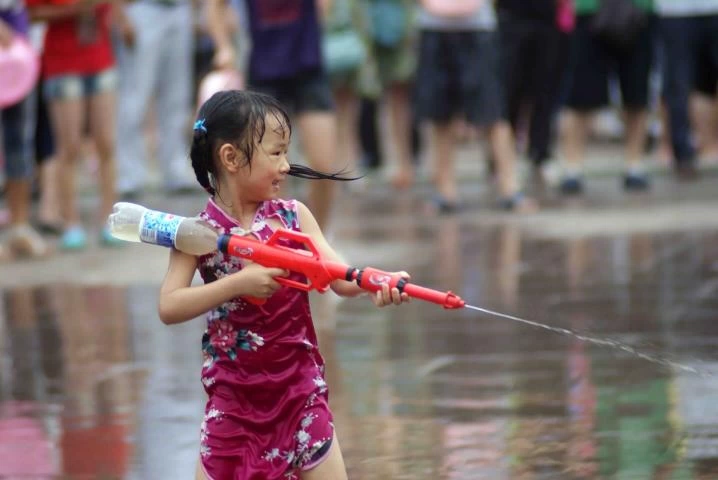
[{"x": 618, "y": 23}]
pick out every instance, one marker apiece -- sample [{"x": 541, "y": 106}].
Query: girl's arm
[
  {"x": 343, "y": 288},
  {"x": 180, "y": 301}
]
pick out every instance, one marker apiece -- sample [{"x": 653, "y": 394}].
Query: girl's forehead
[{"x": 276, "y": 126}]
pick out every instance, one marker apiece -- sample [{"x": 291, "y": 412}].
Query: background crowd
[{"x": 120, "y": 82}]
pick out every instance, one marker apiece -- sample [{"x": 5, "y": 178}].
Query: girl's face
[{"x": 270, "y": 163}]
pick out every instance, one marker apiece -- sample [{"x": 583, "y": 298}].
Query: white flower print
[
  {"x": 320, "y": 383},
  {"x": 213, "y": 413},
  {"x": 208, "y": 381},
  {"x": 307, "y": 420},
  {"x": 204, "y": 450},
  {"x": 257, "y": 340},
  {"x": 303, "y": 437},
  {"x": 271, "y": 454}
]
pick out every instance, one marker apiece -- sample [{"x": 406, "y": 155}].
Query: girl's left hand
[{"x": 387, "y": 296}]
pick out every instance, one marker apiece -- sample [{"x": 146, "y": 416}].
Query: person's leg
[
  {"x": 400, "y": 119},
  {"x": 368, "y": 135},
  {"x": 318, "y": 134},
  {"x": 442, "y": 163},
  {"x": 347, "y": 108},
  {"x": 311, "y": 96},
  {"x": 679, "y": 67},
  {"x": 199, "y": 473},
  {"x": 332, "y": 468},
  {"x": 102, "y": 125},
  {"x": 137, "y": 75},
  {"x": 67, "y": 115},
  {"x": 587, "y": 91},
  {"x": 17, "y": 135},
  {"x": 174, "y": 99}
]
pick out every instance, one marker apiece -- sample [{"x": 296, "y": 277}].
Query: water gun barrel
[{"x": 372, "y": 279}]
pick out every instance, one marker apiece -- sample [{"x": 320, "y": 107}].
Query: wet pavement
[{"x": 93, "y": 386}]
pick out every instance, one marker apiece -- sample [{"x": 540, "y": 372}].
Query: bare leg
[
  {"x": 48, "y": 208},
  {"x": 347, "y": 128},
  {"x": 102, "y": 119},
  {"x": 332, "y": 468},
  {"x": 67, "y": 123},
  {"x": 442, "y": 139},
  {"x": 400, "y": 116},
  {"x": 503, "y": 148},
  {"x": 318, "y": 131},
  {"x": 574, "y": 130},
  {"x": 636, "y": 123}
]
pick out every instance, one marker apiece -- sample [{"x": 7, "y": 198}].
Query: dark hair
[{"x": 237, "y": 117}]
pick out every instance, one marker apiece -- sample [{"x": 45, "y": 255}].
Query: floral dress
[{"x": 267, "y": 415}]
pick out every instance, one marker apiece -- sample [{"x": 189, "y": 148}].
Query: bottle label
[{"x": 159, "y": 228}]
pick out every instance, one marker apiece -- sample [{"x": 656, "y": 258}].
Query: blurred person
[
  {"x": 393, "y": 45},
  {"x": 17, "y": 134},
  {"x": 530, "y": 50},
  {"x": 458, "y": 78},
  {"x": 352, "y": 73},
  {"x": 155, "y": 69},
  {"x": 285, "y": 61},
  {"x": 594, "y": 59},
  {"x": 689, "y": 30},
  {"x": 79, "y": 86}
]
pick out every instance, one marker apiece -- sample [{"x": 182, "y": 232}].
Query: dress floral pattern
[{"x": 267, "y": 412}]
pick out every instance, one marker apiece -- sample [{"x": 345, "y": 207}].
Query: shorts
[
  {"x": 592, "y": 62},
  {"x": 73, "y": 86},
  {"x": 395, "y": 65},
  {"x": 706, "y": 77},
  {"x": 458, "y": 76},
  {"x": 18, "y": 129},
  {"x": 306, "y": 92}
]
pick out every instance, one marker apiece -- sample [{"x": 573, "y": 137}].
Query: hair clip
[{"x": 199, "y": 125}]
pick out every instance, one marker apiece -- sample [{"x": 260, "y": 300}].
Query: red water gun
[{"x": 320, "y": 273}]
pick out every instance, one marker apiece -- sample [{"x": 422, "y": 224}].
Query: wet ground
[{"x": 92, "y": 385}]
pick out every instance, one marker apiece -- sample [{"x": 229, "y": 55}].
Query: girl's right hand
[{"x": 259, "y": 281}]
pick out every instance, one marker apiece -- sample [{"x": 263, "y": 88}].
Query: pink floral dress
[{"x": 267, "y": 415}]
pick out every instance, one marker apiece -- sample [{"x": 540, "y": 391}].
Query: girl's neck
[{"x": 243, "y": 212}]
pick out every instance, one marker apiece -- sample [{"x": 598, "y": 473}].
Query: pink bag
[
  {"x": 452, "y": 8},
  {"x": 19, "y": 70}
]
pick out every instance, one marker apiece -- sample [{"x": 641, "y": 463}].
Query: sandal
[
  {"x": 518, "y": 203},
  {"x": 441, "y": 205},
  {"x": 25, "y": 242}
]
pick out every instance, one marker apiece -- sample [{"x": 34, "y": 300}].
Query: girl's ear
[{"x": 229, "y": 158}]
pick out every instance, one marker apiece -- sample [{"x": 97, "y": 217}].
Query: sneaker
[
  {"x": 635, "y": 182},
  {"x": 74, "y": 239},
  {"x": 107, "y": 240},
  {"x": 571, "y": 185}
]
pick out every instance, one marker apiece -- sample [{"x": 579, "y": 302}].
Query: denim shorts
[
  {"x": 18, "y": 129},
  {"x": 73, "y": 86}
]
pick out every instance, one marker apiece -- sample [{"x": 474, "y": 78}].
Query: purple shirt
[
  {"x": 285, "y": 38},
  {"x": 14, "y": 13}
]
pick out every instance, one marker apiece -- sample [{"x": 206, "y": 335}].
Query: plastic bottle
[{"x": 135, "y": 223}]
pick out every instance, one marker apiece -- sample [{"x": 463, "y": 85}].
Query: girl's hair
[{"x": 238, "y": 117}]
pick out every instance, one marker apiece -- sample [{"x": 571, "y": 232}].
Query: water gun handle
[{"x": 308, "y": 262}]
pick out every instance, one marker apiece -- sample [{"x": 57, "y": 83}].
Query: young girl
[{"x": 267, "y": 415}]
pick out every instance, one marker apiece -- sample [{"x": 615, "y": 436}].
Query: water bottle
[{"x": 135, "y": 223}]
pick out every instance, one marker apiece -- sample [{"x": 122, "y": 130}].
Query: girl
[
  {"x": 79, "y": 79},
  {"x": 267, "y": 415}
]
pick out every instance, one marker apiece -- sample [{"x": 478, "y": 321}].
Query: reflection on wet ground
[{"x": 93, "y": 386}]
